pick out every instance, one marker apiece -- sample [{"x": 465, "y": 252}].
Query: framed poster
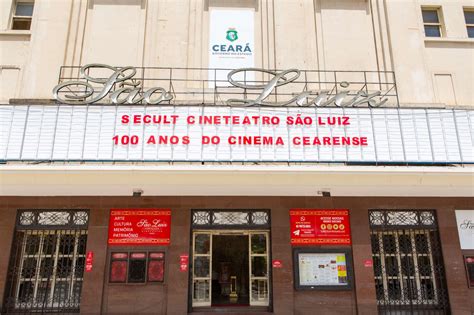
[
  {"x": 320, "y": 227},
  {"x": 469, "y": 262},
  {"x": 322, "y": 269},
  {"x": 139, "y": 227}
]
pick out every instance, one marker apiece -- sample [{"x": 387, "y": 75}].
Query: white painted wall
[{"x": 319, "y": 34}]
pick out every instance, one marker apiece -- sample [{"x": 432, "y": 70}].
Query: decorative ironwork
[
  {"x": 259, "y": 217},
  {"x": 39, "y": 218},
  {"x": 408, "y": 265},
  {"x": 230, "y": 218},
  {"x": 102, "y": 84},
  {"x": 47, "y": 262},
  {"x": 201, "y": 217},
  {"x": 402, "y": 218}
]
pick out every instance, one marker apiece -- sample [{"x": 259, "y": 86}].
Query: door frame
[{"x": 231, "y": 229}]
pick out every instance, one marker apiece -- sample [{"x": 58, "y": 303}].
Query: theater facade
[{"x": 210, "y": 157}]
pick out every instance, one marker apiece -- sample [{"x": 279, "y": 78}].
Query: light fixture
[
  {"x": 324, "y": 192},
  {"x": 137, "y": 192}
]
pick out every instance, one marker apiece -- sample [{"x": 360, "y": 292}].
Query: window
[
  {"x": 47, "y": 261},
  {"x": 22, "y": 14},
  {"x": 137, "y": 267},
  {"x": 469, "y": 18},
  {"x": 407, "y": 261},
  {"x": 432, "y": 22}
]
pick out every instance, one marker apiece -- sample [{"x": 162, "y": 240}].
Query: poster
[
  {"x": 322, "y": 269},
  {"x": 469, "y": 261},
  {"x": 465, "y": 224},
  {"x": 231, "y": 43},
  {"x": 139, "y": 227},
  {"x": 320, "y": 227}
]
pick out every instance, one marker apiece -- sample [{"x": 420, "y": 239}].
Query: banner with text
[
  {"x": 235, "y": 134},
  {"x": 139, "y": 227},
  {"x": 320, "y": 227},
  {"x": 231, "y": 43}
]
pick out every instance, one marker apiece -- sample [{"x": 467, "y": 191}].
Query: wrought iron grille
[
  {"x": 230, "y": 218},
  {"x": 47, "y": 262},
  {"x": 408, "y": 264},
  {"x": 209, "y": 86}
]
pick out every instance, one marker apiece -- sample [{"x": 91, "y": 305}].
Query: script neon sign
[{"x": 130, "y": 90}]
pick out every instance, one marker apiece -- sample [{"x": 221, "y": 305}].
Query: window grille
[
  {"x": 408, "y": 265},
  {"x": 230, "y": 219},
  {"x": 47, "y": 261}
]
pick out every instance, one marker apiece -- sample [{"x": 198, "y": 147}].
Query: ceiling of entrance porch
[{"x": 230, "y": 180}]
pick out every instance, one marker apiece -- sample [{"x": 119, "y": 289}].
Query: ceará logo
[{"x": 232, "y": 34}]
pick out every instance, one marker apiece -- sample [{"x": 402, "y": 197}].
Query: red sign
[
  {"x": 139, "y": 227},
  {"x": 183, "y": 262},
  {"x": 368, "y": 263},
  {"x": 89, "y": 260},
  {"x": 276, "y": 263},
  {"x": 320, "y": 227}
]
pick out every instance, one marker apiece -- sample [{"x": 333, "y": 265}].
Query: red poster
[
  {"x": 139, "y": 227},
  {"x": 368, "y": 263},
  {"x": 320, "y": 227},
  {"x": 183, "y": 262},
  {"x": 89, "y": 260},
  {"x": 276, "y": 263}
]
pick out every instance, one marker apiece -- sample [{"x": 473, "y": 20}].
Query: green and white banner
[{"x": 231, "y": 41}]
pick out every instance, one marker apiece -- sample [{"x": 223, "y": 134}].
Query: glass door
[
  {"x": 202, "y": 262},
  {"x": 259, "y": 268}
]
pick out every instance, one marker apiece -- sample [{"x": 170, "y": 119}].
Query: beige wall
[{"x": 320, "y": 34}]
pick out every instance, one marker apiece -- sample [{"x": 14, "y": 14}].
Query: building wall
[
  {"x": 322, "y": 34},
  {"x": 172, "y": 296}
]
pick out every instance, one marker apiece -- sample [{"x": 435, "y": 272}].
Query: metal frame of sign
[{"x": 312, "y": 250}]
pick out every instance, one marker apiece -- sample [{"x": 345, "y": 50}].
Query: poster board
[
  {"x": 469, "y": 263},
  {"x": 322, "y": 269}
]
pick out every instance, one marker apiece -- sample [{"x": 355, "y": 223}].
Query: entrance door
[
  {"x": 259, "y": 268},
  {"x": 230, "y": 268}
]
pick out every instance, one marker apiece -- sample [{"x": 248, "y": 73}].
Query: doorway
[{"x": 230, "y": 270}]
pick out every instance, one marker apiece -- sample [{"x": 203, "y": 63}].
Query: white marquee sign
[{"x": 224, "y": 133}]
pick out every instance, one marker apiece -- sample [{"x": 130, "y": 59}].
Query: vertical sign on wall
[
  {"x": 231, "y": 43},
  {"x": 89, "y": 261},
  {"x": 465, "y": 223}
]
